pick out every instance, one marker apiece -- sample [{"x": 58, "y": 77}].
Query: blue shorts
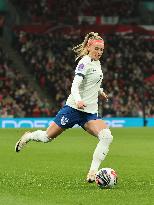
[{"x": 67, "y": 117}]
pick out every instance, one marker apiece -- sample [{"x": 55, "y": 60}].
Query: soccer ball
[{"x": 106, "y": 178}]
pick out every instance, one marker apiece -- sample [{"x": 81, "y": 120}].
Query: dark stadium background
[
  {"x": 37, "y": 63},
  {"x": 36, "y": 71}
]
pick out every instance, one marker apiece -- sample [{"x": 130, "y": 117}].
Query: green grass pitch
[{"x": 55, "y": 173}]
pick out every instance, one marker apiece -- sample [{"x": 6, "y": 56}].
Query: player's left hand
[{"x": 104, "y": 96}]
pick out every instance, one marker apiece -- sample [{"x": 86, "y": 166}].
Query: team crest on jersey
[
  {"x": 64, "y": 120},
  {"x": 81, "y": 67}
]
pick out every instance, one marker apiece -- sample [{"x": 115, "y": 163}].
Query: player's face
[{"x": 96, "y": 50}]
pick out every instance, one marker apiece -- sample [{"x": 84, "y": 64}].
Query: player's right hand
[{"x": 81, "y": 105}]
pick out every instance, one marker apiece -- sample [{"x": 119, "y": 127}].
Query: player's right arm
[
  {"x": 75, "y": 92},
  {"x": 79, "y": 76}
]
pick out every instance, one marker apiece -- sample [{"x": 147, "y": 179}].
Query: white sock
[
  {"x": 102, "y": 148},
  {"x": 39, "y": 135}
]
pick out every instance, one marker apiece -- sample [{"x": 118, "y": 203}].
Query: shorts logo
[
  {"x": 64, "y": 120},
  {"x": 81, "y": 67}
]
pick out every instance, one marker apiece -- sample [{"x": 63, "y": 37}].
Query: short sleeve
[{"x": 82, "y": 67}]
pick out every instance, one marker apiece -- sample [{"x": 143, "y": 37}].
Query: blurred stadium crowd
[
  {"x": 67, "y": 11},
  {"x": 17, "y": 98},
  {"x": 127, "y": 63}
]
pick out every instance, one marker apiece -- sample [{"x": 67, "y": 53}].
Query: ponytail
[{"x": 81, "y": 49}]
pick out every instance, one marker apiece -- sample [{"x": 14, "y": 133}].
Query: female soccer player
[{"x": 82, "y": 104}]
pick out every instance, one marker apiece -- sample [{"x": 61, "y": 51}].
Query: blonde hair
[{"x": 81, "y": 49}]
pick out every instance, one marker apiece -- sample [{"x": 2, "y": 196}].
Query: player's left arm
[{"x": 102, "y": 94}]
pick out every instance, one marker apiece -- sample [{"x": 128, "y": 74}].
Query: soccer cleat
[
  {"x": 91, "y": 176},
  {"x": 22, "y": 142}
]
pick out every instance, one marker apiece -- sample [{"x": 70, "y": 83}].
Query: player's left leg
[{"x": 99, "y": 129}]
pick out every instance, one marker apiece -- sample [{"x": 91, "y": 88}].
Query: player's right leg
[
  {"x": 66, "y": 118},
  {"x": 39, "y": 135}
]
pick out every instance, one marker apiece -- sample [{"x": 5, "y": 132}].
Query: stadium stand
[
  {"x": 45, "y": 46},
  {"x": 66, "y": 11},
  {"x": 127, "y": 61},
  {"x": 17, "y": 98}
]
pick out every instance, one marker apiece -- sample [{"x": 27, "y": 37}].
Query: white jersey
[{"x": 89, "y": 88}]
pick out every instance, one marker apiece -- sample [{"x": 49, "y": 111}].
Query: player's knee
[{"x": 106, "y": 136}]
